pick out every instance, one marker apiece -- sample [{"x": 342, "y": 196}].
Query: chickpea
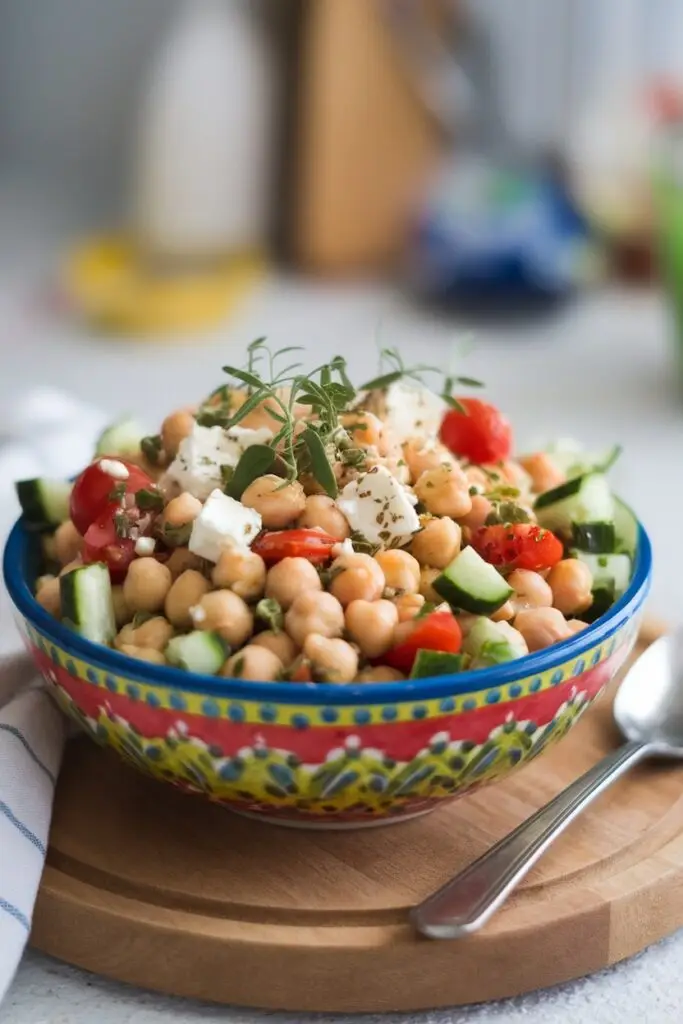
[
  {"x": 513, "y": 637},
  {"x": 402, "y": 631},
  {"x": 543, "y": 472},
  {"x": 356, "y": 577},
  {"x": 143, "y": 654},
  {"x": 252, "y": 662},
  {"x": 332, "y": 660},
  {"x": 408, "y": 606},
  {"x": 401, "y": 570},
  {"x": 122, "y": 613},
  {"x": 314, "y": 612},
  {"x": 175, "y": 428},
  {"x": 504, "y": 613},
  {"x": 478, "y": 514},
  {"x": 422, "y": 456},
  {"x": 427, "y": 577},
  {"x": 47, "y": 543},
  {"x": 445, "y": 491},
  {"x": 281, "y": 644},
  {"x": 511, "y": 472},
  {"x": 542, "y": 627},
  {"x": 437, "y": 543},
  {"x": 380, "y": 674},
  {"x": 225, "y": 613},
  {"x": 181, "y": 510},
  {"x": 322, "y": 512},
  {"x": 366, "y": 430},
  {"x": 289, "y": 578},
  {"x": 371, "y": 624},
  {"x": 155, "y": 633},
  {"x": 277, "y": 502},
  {"x": 68, "y": 542},
  {"x": 186, "y": 592},
  {"x": 571, "y": 583},
  {"x": 476, "y": 477},
  {"x": 576, "y": 625},
  {"x": 146, "y": 585},
  {"x": 48, "y": 595},
  {"x": 531, "y": 590},
  {"x": 242, "y": 571},
  {"x": 182, "y": 559}
]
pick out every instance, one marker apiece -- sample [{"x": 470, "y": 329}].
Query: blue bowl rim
[{"x": 456, "y": 684}]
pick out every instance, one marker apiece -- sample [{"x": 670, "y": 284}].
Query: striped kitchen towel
[{"x": 44, "y": 434}]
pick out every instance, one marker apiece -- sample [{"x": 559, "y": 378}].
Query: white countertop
[{"x": 601, "y": 371}]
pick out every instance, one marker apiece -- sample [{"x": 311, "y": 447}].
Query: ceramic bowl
[{"x": 324, "y": 755}]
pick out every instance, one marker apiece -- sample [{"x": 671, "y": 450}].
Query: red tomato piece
[
  {"x": 102, "y": 544},
  {"x": 518, "y": 546},
  {"x": 481, "y": 434},
  {"x": 438, "y": 631},
  {"x": 314, "y": 545},
  {"x": 93, "y": 488}
]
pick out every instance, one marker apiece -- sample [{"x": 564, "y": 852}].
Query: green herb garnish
[
  {"x": 152, "y": 448},
  {"x": 269, "y": 611},
  {"x": 149, "y": 500}
]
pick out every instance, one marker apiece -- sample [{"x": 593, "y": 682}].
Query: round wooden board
[{"x": 152, "y": 887}]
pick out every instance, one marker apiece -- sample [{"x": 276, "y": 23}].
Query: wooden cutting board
[{"x": 159, "y": 889}]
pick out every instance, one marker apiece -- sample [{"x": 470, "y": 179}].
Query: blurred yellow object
[{"x": 112, "y": 285}]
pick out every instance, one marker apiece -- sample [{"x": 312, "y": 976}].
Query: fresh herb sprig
[{"x": 396, "y": 370}]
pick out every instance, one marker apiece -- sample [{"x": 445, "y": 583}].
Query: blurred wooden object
[{"x": 364, "y": 142}]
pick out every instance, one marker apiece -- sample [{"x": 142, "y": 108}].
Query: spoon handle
[{"x": 465, "y": 903}]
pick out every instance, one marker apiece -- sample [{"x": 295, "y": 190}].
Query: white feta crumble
[
  {"x": 114, "y": 469},
  {"x": 223, "y": 521},
  {"x": 380, "y": 508},
  {"x": 412, "y": 410},
  {"x": 197, "y": 614},
  {"x": 145, "y": 546},
  {"x": 202, "y": 454}
]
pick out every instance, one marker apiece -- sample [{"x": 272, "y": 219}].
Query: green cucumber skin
[
  {"x": 181, "y": 651},
  {"x": 33, "y": 504},
  {"x": 435, "y": 663},
  {"x": 69, "y": 586},
  {"x": 463, "y": 601},
  {"x": 594, "y": 538},
  {"x": 566, "y": 490}
]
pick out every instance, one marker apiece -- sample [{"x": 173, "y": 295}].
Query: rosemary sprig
[{"x": 391, "y": 357}]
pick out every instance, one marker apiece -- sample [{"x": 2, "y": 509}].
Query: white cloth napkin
[{"x": 43, "y": 434}]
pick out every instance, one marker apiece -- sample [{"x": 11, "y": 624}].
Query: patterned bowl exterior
[{"x": 325, "y": 755}]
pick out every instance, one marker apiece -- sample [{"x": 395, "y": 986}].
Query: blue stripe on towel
[
  {"x": 14, "y": 912},
  {"x": 13, "y": 731},
  {"x": 20, "y": 827}
]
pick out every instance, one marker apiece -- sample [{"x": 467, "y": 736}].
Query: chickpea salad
[{"x": 293, "y": 527}]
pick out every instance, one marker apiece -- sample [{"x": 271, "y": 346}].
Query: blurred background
[{"x": 178, "y": 177}]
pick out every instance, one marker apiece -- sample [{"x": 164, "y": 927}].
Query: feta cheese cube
[
  {"x": 203, "y": 453},
  {"x": 222, "y": 522},
  {"x": 412, "y": 410},
  {"x": 380, "y": 508}
]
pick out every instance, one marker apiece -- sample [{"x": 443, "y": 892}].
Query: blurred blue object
[{"x": 490, "y": 238}]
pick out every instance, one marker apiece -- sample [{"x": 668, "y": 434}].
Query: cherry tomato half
[
  {"x": 438, "y": 631},
  {"x": 480, "y": 434},
  {"x": 102, "y": 544},
  {"x": 518, "y": 546},
  {"x": 314, "y": 545},
  {"x": 93, "y": 488}
]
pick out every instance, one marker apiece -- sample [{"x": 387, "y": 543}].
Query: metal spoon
[{"x": 648, "y": 710}]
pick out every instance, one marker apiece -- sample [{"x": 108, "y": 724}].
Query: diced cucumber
[
  {"x": 45, "y": 503},
  {"x": 489, "y": 644},
  {"x": 87, "y": 602},
  {"x": 572, "y": 460},
  {"x": 585, "y": 499},
  {"x": 435, "y": 663},
  {"x": 626, "y": 525},
  {"x": 608, "y": 571},
  {"x": 594, "y": 538},
  {"x": 472, "y": 584},
  {"x": 121, "y": 438},
  {"x": 200, "y": 651}
]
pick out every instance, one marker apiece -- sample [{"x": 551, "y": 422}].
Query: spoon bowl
[{"x": 648, "y": 707}]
